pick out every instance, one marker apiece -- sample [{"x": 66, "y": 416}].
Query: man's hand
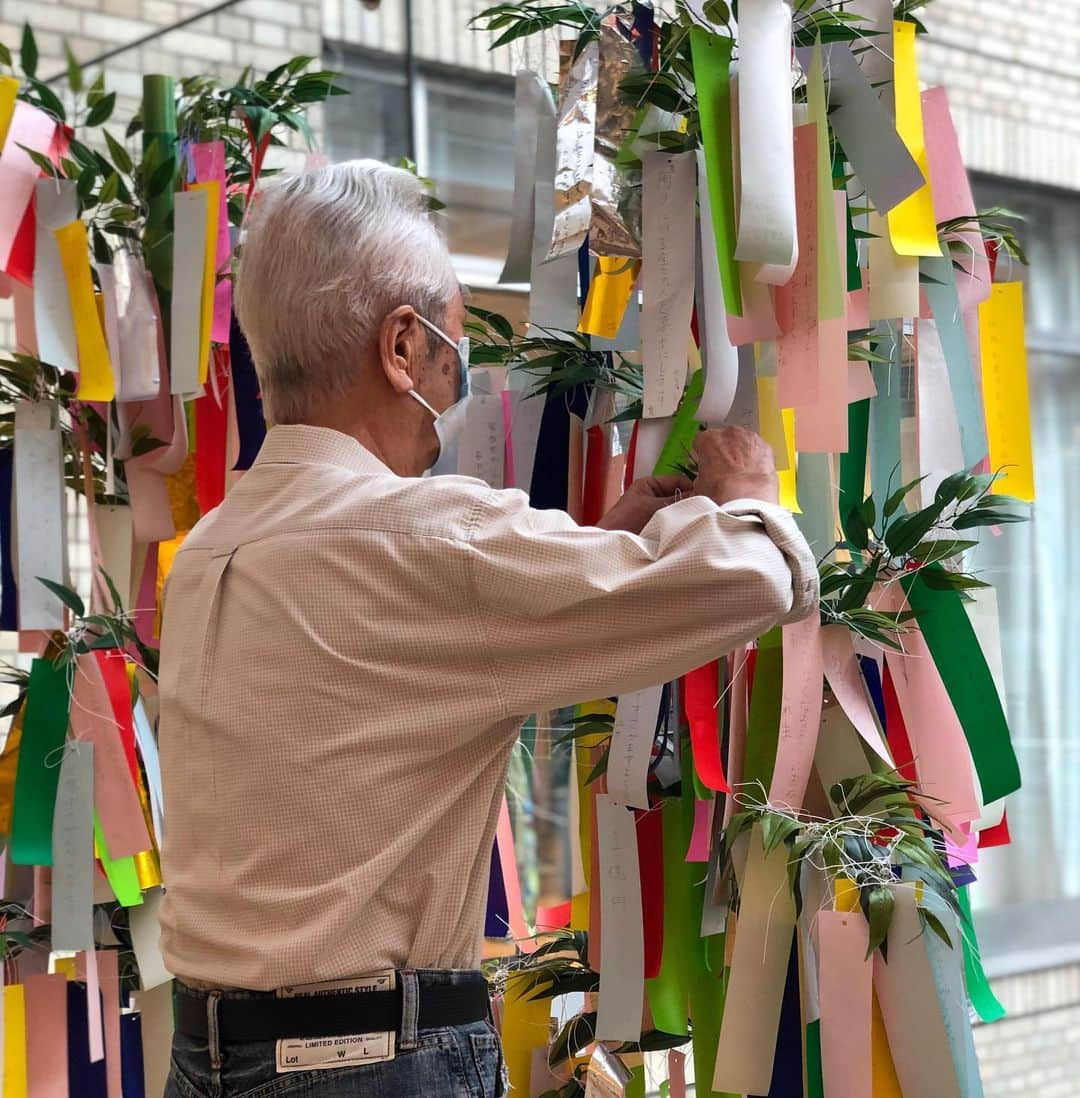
[
  {"x": 734, "y": 463},
  {"x": 642, "y": 500}
]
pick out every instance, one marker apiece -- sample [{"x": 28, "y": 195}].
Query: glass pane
[
  {"x": 370, "y": 121},
  {"x": 471, "y": 136},
  {"x": 1035, "y": 568}
]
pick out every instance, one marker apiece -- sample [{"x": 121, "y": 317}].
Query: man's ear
[{"x": 399, "y": 343}]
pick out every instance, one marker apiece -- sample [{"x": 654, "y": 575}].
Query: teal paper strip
[
  {"x": 945, "y": 305},
  {"x": 886, "y": 411}
]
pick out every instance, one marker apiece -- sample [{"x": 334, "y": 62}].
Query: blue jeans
[{"x": 462, "y": 1061}]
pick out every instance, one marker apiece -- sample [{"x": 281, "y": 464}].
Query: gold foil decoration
[{"x": 616, "y": 193}]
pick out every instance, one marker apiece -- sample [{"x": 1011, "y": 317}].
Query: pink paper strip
[
  {"x": 209, "y": 160},
  {"x": 508, "y": 444},
  {"x": 18, "y": 173},
  {"x": 676, "y": 1066},
  {"x": 966, "y": 853},
  {"x": 115, "y": 800},
  {"x": 822, "y": 425},
  {"x": 860, "y": 382},
  {"x": 858, "y": 309},
  {"x": 842, "y": 671},
  {"x": 93, "y": 1008},
  {"x": 504, "y": 838},
  {"x": 800, "y": 711},
  {"x": 797, "y": 352},
  {"x": 46, "y": 1036},
  {"x": 109, "y": 977},
  {"x": 942, "y": 757},
  {"x": 952, "y": 195},
  {"x": 698, "y": 850},
  {"x": 845, "y": 987},
  {"x": 758, "y": 321}
]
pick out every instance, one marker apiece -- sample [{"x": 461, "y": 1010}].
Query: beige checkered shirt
[{"x": 347, "y": 658}]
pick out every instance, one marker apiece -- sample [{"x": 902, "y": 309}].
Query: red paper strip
[
  {"x": 113, "y": 666},
  {"x": 650, "y": 841},
  {"x": 20, "y": 264},
  {"x": 631, "y": 453},
  {"x": 597, "y": 457},
  {"x": 896, "y": 731},
  {"x": 998, "y": 835},
  {"x": 211, "y": 431},
  {"x": 555, "y": 917},
  {"x": 701, "y": 689}
]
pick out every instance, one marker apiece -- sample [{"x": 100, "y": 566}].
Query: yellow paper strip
[
  {"x": 788, "y": 490},
  {"x": 9, "y": 89},
  {"x": 770, "y": 421},
  {"x": 213, "y": 189},
  {"x": 832, "y": 291},
  {"x": 609, "y": 293},
  {"x": 912, "y": 225},
  {"x": 95, "y": 369},
  {"x": 14, "y": 1042},
  {"x": 525, "y": 1026},
  {"x": 1005, "y": 389}
]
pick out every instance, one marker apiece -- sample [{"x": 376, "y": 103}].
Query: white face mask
[{"x": 450, "y": 423}]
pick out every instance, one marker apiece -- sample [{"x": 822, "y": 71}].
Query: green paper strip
[
  {"x": 959, "y": 659},
  {"x": 853, "y": 463},
  {"x": 982, "y": 997},
  {"x": 38, "y": 775},
  {"x": 815, "y": 1086},
  {"x": 668, "y": 993},
  {"x": 712, "y": 77},
  {"x": 676, "y": 450},
  {"x": 886, "y": 411},
  {"x": 854, "y": 272},
  {"x": 635, "y": 1087},
  {"x": 763, "y": 726},
  {"x": 831, "y": 303},
  {"x": 122, "y": 875}
]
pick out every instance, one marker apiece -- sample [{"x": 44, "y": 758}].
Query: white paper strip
[
  {"x": 189, "y": 256},
  {"x": 482, "y": 445},
  {"x": 631, "y": 746},
  {"x": 73, "y": 851},
  {"x": 144, "y": 736},
  {"x": 56, "y": 204},
  {"x": 530, "y": 92},
  {"x": 39, "y": 511},
  {"x": 668, "y": 193},
  {"x": 766, "y": 149},
  {"x": 720, "y": 358},
  {"x": 131, "y": 327},
  {"x": 145, "y": 931},
  {"x": 622, "y": 960},
  {"x": 526, "y": 412},
  {"x": 940, "y": 452}
]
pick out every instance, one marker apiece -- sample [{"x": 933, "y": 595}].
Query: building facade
[{"x": 1012, "y": 68}]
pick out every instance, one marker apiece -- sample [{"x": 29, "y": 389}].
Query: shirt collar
[{"x": 302, "y": 444}]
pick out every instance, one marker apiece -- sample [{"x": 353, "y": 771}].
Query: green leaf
[
  {"x": 74, "y": 69},
  {"x": 5, "y": 55},
  {"x": 28, "y": 53},
  {"x": 109, "y": 189},
  {"x": 880, "y": 904},
  {"x": 121, "y": 157},
  {"x": 949, "y": 489},
  {"x": 978, "y": 517},
  {"x": 936, "y": 925},
  {"x": 49, "y": 100},
  {"x": 163, "y": 178},
  {"x": 40, "y": 159},
  {"x": 101, "y": 110},
  {"x": 68, "y": 597},
  {"x": 906, "y": 532},
  {"x": 96, "y": 89},
  {"x": 894, "y": 501},
  {"x": 929, "y": 552},
  {"x": 940, "y": 580}
]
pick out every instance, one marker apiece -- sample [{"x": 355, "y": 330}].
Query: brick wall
[{"x": 1036, "y": 1049}]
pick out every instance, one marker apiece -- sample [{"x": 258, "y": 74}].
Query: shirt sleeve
[{"x": 569, "y": 613}]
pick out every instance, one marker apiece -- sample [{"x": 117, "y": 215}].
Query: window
[
  {"x": 1035, "y": 568},
  {"x": 464, "y": 137}
]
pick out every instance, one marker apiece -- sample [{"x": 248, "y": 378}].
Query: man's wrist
[{"x": 741, "y": 486}]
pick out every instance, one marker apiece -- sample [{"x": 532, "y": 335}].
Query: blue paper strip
[
  {"x": 249, "y": 414},
  {"x": 9, "y": 597},
  {"x": 85, "y": 1079}
]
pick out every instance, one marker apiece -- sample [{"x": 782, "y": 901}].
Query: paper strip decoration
[
  {"x": 846, "y": 1004},
  {"x": 29, "y": 128},
  {"x": 800, "y": 711},
  {"x": 46, "y": 1036},
  {"x": 208, "y": 159},
  {"x": 14, "y": 1040},
  {"x": 912, "y": 224},
  {"x": 9, "y": 89},
  {"x": 668, "y": 185},
  {"x": 631, "y": 746},
  {"x": 712, "y": 60},
  {"x": 214, "y": 199},
  {"x": 44, "y": 727},
  {"x": 188, "y": 290},
  {"x": 56, "y": 205},
  {"x": 1005, "y": 389},
  {"x": 73, "y": 851},
  {"x": 39, "y": 514},
  {"x": 529, "y": 94},
  {"x": 610, "y": 292},
  {"x": 766, "y": 233},
  {"x": 622, "y": 981}
]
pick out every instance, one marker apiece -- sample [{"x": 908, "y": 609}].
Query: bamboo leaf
[{"x": 68, "y": 597}]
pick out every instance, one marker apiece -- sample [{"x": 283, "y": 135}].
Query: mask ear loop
[{"x": 416, "y": 396}]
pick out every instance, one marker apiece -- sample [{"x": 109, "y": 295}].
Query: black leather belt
[{"x": 272, "y": 1019}]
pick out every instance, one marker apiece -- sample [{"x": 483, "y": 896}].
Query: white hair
[{"x": 326, "y": 255}]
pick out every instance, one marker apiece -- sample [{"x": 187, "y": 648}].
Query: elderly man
[{"x": 350, "y": 648}]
